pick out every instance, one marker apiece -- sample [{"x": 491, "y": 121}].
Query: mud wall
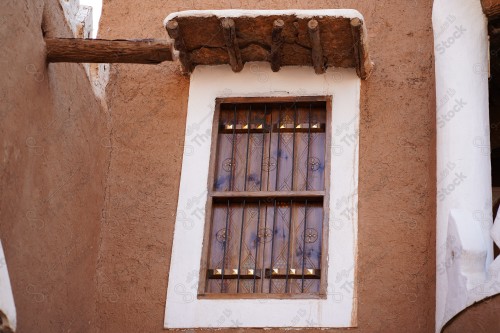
[
  {"x": 396, "y": 267},
  {"x": 481, "y": 317},
  {"x": 52, "y": 167}
]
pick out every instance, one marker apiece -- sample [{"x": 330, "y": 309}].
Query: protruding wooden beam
[
  {"x": 139, "y": 51},
  {"x": 277, "y": 44},
  {"x": 317, "y": 51},
  {"x": 364, "y": 65},
  {"x": 233, "y": 50},
  {"x": 175, "y": 33},
  {"x": 491, "y": 8}
]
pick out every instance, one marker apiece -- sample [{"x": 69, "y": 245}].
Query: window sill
[{"x": 261, "y": 296}]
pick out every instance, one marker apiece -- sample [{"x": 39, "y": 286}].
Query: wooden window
[{"x": 266, "y": 228}]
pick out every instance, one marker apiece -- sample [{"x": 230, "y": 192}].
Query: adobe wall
[
  {"x": 52, "y": 172},
  {"x": 397, "y": 167},
  {"x": 481, "y": 317}
]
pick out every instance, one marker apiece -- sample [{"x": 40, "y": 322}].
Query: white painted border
[
  {"x": 183, "y": 309},
  {"x": 466, "y": 272},
  {"x": 7, "y": 306},
  {"x": 299, "y": 13}
]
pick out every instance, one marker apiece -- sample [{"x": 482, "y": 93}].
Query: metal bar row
[{"x": 231, "y": 185}]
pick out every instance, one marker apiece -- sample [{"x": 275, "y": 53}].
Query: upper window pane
[{"x": 271, "y": 147}]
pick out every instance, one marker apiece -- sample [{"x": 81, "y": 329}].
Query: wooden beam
[
  {"x": 233, "y": 50},
  {"x": 138, "y": 51},
  {"x": 364, "y": 65},
  {"x": 175, "y": 33},
  {"x": 277, "y": 44},
  {"x": 491, "y": 8},
  {"x": 317, "y": 51}
]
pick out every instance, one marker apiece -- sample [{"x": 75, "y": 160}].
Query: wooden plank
[
  {"x": 175, "y": 33},
  {"x": 204, "y": 261},
  {"x": 277, "y": 44},
  {"x": 296, "y": 195},
  {"x": 206, "y": 44},
  {"x": 491, "y": 8},
  {"x": 233, "y": 50},
  {"x": 205, "y": 40},
  {"x": 140, "y": 51},
  {"x": 326, "y": 201},
  {"x": 317, "y": 50},
  {"x": 364, "y": 65},
  {"x": 270, "y": 100},
  {"x": 262, "y": 296}
]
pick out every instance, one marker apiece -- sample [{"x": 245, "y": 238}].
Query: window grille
[{"x": 266, "y": 230}]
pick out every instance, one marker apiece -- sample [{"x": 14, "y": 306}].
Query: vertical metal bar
[
  {"x": 308, "y": 146},
  {"x": 307, "y": 188},
  {"x": 269, "y": 152},
  {"x": 293, "y": 144},
  {"x": 244, "y": 201},
  {"x": 225, "y": 247},
  {"x": 228, "y": 201},
  {"x": 272, "y": 248},
  {"x": 257, "y": 239},
  {"x": 267, "y": 188},
  {"x": 257, "y": 243},
  {"x": 263, "y": 268},
  {"x": 288, "y": 251},
  {"x": 241, "y": 242},
  {"x": 276, "y": 189},
  {"x": 291, "y": 201},
  {"x": 278, "y": 152},
  {"x": 262, "y": 152},
  {"x": 304, "y": 246},
  {"x": 232, "y": 151},
  {"x": 248, "y": 143}
]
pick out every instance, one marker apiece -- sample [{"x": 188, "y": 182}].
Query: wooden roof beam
[
  {"x": 175, "y": 33},
  {"x": 277, "y": 44},
  {"x": 364, "y": 65},
  {"x": 233, "y": 50},
  {"x": 317, "y": 50},
  {"x": 139, "y": 51}
]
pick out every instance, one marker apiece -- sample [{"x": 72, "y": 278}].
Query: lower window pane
[{"x": 268, "y": 246}]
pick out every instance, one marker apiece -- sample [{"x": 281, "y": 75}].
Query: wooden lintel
[
  {"x": 364, "y": 65},
  {"x": 491, "y": 8},
  {"x": 233, "y": 50},
  {"x": 316, "y": 49},
  {"x": 138, "y": 51},
  {"x": 277, "y": 44},
  {"x": 175, "y": 33}
]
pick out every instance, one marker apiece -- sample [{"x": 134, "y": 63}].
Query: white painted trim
[
  {"x": 299, "y": 13},
  {"x": 7, "y": 306},
  {"x": 465, "y": 273},
  {"x": 80, "y": 21},
  {"x": 183, "y": 309}
]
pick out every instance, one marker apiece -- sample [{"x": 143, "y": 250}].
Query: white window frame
[{"x": 183, "y": 308}]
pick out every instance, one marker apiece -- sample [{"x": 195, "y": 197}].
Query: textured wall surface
[
  {"x": 481, "y": 317},
  {"x": 88, "y": 193},
  {"x": 396, "y": 266},
  {"x": 52, "y": 167}
]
